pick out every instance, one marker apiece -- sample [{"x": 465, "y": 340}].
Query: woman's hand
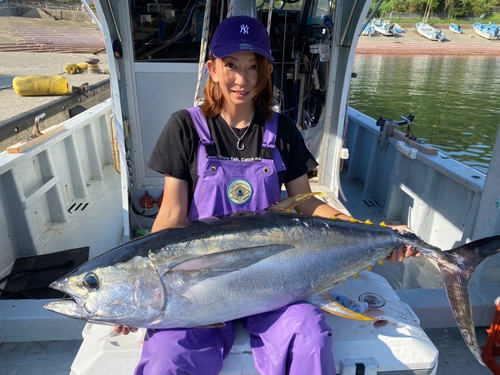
[
  {"x": 125, "y": 330},
  {"x": 404, "y": 251},
  {"x": 401, "y": 253}
]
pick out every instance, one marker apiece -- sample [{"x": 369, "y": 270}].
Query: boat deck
[{"x": 56, "y": 357}]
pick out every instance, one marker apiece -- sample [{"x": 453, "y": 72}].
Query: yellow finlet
[
  {"x": 368, "y": 222},
  {"x": 352, "y": 220},
  {"x": 334, "y": 217},
  {"x": 382, "y": 224},
  {"x": 355, "y": 276},
  {"x": 369, "y": 268},
  {"x": 314, "y": 215},
  {"x": 381, "y": 261}
]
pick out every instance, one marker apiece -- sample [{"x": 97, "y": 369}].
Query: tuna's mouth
[
  {"x": 67, "y": 307},
  {"x": 72, "y": 306}
]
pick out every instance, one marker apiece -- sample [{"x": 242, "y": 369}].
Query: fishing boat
[
  {"x": 493, "y": 26},
  {"x": 384, "y": 27},
  {"x": 85, "y": 189},
  {"x": 429, "y": 32},
  {"x": 398, "y": 28},
  {"x": 489, "y": 31},
  {"x": 368, "y": 30},
  {"x": 456, "y": 28}
]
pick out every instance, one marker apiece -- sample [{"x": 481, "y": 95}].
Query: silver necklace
[{"x": 239, "y": 145}]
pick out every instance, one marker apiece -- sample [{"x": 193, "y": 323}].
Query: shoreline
[
  {"x": 408, "y": 43},
  {"x": 411, "y": 42}
]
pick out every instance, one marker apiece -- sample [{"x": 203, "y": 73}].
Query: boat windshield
[{"x": 173, "y": 31}]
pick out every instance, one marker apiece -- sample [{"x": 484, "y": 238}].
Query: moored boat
[
  {"x": 456, "y": 28},
  {"x": 368, "y": 30},
  {"x": 398, "y": 28},
  {"x": 430, "y": 32},
  {"x": 384, "y": 27},
  {"x": 490, "y": 31}
]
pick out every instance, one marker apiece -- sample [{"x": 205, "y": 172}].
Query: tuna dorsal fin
[
  {"x": 216, "y": 264},
  {"x": 289, "y": 204},
  {"x": 327, "y": 304}
]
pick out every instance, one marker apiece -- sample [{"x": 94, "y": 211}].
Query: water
[{"x": 455, "y": 99}]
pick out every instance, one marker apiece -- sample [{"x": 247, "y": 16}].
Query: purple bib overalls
[
  {"x": 292, "y": 340},
  {"x": 228, "y": 186}
]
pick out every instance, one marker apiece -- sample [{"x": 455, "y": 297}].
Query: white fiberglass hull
[
  {"x": 486, "y": 35},
  {"x": 429, "y": 32}
]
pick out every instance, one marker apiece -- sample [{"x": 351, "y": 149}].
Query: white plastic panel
[{"x": 154, "y": 108}]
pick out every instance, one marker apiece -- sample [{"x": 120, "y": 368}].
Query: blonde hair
[{"x": 263, "y": 99}]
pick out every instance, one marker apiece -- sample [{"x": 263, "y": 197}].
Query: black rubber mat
[{"x": 30, "y": 276}]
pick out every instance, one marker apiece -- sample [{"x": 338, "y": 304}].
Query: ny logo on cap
[{"x": 244, "y": 29}]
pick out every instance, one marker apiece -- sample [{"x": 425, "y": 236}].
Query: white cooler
[{"x": 395, "y": 345}]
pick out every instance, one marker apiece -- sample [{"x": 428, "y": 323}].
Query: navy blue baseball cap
[{"x": 241, "y": 34}]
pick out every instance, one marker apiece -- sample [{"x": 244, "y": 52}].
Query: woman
[{"x": 233, "y": 154}]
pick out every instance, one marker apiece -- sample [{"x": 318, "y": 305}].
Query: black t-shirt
[{"x": 176, "y": 150}]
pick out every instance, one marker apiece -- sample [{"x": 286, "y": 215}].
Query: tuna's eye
[{"x": 91, "y": 280}]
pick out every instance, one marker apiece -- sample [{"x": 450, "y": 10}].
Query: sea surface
[{"x": 455, "y": 99}]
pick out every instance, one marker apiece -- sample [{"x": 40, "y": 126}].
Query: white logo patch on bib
[{"x": 239, "y": 191}]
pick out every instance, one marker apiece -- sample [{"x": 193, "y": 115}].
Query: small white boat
[
  {"x": 368, "y": 30},
  {"x": 384, "y": 27},
  {"x": 398, "y": 28},
  {"x": 489, "y": 31},
  {"x": 430, "y": 32},
  {"x": 456, "y": 28}
]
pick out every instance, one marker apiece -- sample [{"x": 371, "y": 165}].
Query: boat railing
[
  {"x": 441, "y": 199},
  {"x": 60, "y": 194},
  {"x": 417, "y": 191}
]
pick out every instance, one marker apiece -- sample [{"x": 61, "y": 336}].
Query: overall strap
[
  {"x": 200, "y": 123},
  {"x": 269, "y": 143}
]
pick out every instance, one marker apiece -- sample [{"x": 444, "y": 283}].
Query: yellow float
[{"x": 40, "y": 85}]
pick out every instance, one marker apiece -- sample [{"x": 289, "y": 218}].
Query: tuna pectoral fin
[
  {"x": 216, "y": 264},
  {"x": 325, "y": 303},
  {"x": 289, "y": 204},
  {"x": 456, "y": 268}
]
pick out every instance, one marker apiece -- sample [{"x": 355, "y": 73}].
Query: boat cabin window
[
  {"x": 167, "y": 30},
  {"x": 171, "y": 30}
]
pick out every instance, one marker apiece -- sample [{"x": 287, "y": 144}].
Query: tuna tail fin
[{"x": 456, "y": 268}]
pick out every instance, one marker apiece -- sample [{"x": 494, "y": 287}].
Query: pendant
[{"x": 240, "y": 147}]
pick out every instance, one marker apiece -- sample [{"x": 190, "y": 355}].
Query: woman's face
[{"x": 237, "y": 76}]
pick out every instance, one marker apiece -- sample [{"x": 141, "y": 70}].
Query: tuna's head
[{"x": 129, "y": 292}]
